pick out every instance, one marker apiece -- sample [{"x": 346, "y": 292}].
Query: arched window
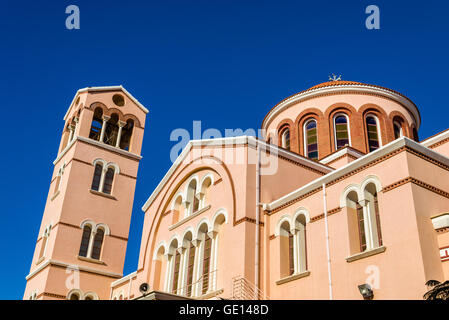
[
  {"x": 286, "y": 252},
  {"x": 372, "y": 204},
  {"x": 397, "y": 129},
  {"x": 300, "y": 244},
  {"x": 373, "y": 134},
  {"x": 111, "y": 130},
  {"x": 176, "y": 270},
  {"x": 127, "y": 131},
  {"x": 87, "y": 230},
  {"x": 285, "y": 138},
  {"x": 97, "y": 123},
  {"x": 45, "y": 236},
  {"x": 206, "y": 264},
  {"x": 109, "y": 178},
  {"x": 356, "y": 223},
  {"x": 192, "y": 197},
  {"x": 74, "y": 296},
  {"x": 311, "y": 139},
  {"x": 190, "y": 265},
  {"x": 415, "y": 135},
  {"x": 204, "y": 192},
  {"x": 98, "y": 242},
  {"x": 97, "y": 177},
  {"x": 341, "y": 131}
]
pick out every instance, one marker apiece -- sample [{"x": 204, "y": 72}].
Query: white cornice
[
  {"x": 440, "y": 221},
  {"x": 71, "y": 266},
  {"x": 407, "y": 103},
  {"x": 106, "y": 88},
  {"x": 242, "y": 140},
  {"x": 97, "y": 144},
  {"x": 124, "y": 279},
  {"x": 439, "y": 137},
  {"x": 386, "y": 149},
  {"x": 340, "y": 153}
]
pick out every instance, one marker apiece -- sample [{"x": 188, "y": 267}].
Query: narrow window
[
  {"x": 190, "y": 269},
  {"x": 341, "y": 131},
  {"x": 107, "y": 188},
  {"x": 285, "y": 139},
  {"x": 206, "y": 264},
  {"x": 127, "y": 132},
  {"x": 176, "y": 272},
  {"x": 97, "y": 177},
  {"x": 376, "y": 210},
  {"x": 97, "y": 123},
  {"x": 85, "y": 241},
  {"x": 415, "y": 135},
  {"x": 373, "y": 133},
  {"x": 291, "y": 249},
  {"x": 397, "y": 130},
  {"x": 98, "y": 242},
  {"x": 43, "y": 246},
  {"x": 111, "y": 130},
  {"x": 311, "y": 139},
  {"x": 361, "y": 223}
]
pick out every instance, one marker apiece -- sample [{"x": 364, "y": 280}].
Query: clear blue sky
[{"x": 190, "y": 60}]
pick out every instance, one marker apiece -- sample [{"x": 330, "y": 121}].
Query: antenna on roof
[{"x": 335, "y": 78}]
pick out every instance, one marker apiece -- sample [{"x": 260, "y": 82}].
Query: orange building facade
[{"x": 339, "y": 193}]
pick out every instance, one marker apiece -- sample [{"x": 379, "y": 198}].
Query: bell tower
[{"x": 83, "y": 236}]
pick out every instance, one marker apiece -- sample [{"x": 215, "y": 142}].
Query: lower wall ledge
[
  {"x": 365, "y": 254},
  {"x": 294, "y": 276}
]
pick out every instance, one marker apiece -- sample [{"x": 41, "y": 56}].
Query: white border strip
[
  {"x": 439, "y": 137},
  {"x": 124, "y": 279},
  {"x": 340, "y": 153},
  {"x": 386, "y": 149}
]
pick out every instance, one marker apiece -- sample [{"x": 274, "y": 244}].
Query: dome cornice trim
[{"x": 342, "y": 89}]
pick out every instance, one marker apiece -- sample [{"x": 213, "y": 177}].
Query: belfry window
[
  {"x": 97, "y": 123},
  {"x": 311, "y": 139},
  {"x": 111, "y": 130},
  {"x": 127, "y": 131},
  {"x": 285, "y": 138},
  {"x": 373, "y": 135},
  {"x": 341, "y": 131},
  {"x": 92, "y": 240}
]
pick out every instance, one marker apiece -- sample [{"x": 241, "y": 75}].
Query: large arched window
[
  {"x": 311, "y": 139},
  {"x": 287, "y": 264},
  {"x": 285, "y": 138},
  {"x": 87, "y": 230},
  {"x": 190, "y": 266},
  {"x": 373, "y": 134},
  {"x": 341, "y": 131},
  {"x": 207, "y": 246},
  {"x": 192, "y": 199},
  {"x": 97, "y": 123},
  {"x": 176, "y": 270}
]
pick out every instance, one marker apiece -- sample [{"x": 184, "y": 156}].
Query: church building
[{"x": 338, "y": 200}]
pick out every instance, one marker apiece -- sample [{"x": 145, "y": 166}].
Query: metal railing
[{"x": 243, "y": 289}]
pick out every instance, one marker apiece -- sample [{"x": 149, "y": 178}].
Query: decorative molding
[
  {"x": 293, "y": 277},
  {"x": 418, "y": 183},
  {"x": 247, "y": 219},
  {"x": 329, "y": 213},
  {"x": 366, "y": 254},
  {"x": 91, "y": 260},
  {"x": 124, "y": 279},
  {"x": 193, "y": 215},
  {"x": 98, "y": 193}
]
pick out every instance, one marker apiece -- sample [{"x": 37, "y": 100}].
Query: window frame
[
  {"x": 306, "y": 146},
  {"x": 338, "y": 114}
]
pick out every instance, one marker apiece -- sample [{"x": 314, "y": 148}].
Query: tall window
[
  {"x": 311, "y": 139},
  {"x": 190, "y": 265},
  {"x": 111, "y": 130},
  {"x": 44, "y": 244},
  {"x": 85, "y": 241},
  {"x": 206, "y": 264},
  {"x": 341, "y": 131},
  {"x": 291, "y": 254},
  {"x": 193, "y": 201},
  {"x": 97, "y": 177},
  {"x": 397, "y": 130},
  {"x": 109, "y": 178},
  {"x": 98, "y": 242},
  {"x": 285, "y": 138},
  {"x": 376, "y": 210},
  {"x": 176, "y": 272},
  {"x": 361, "y": 225},
  {"x": 127, "y": 132},
  {"x": 373, "y": 133},
  {"x": 97, "y": 123}
]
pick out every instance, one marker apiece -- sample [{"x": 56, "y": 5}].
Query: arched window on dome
[
  {"x": 285, "y": 138},
  {"x": 311, "y": 139},
  {"x": 415, "y": 135},
  {"x": 373, "y": 133},
  {"x": 341, "y": 131},
  {"x": 397, "y": 129}
]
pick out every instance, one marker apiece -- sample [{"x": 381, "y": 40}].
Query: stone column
[
  {"x": 103, "y": 174},
  {"x": 103, "y": 127},
  {"x": 121, "y": 124},
  {"x": 196, "y": 284},
  {"x": 91, "y": 243},
  {"x": 168, "y": 272}
]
